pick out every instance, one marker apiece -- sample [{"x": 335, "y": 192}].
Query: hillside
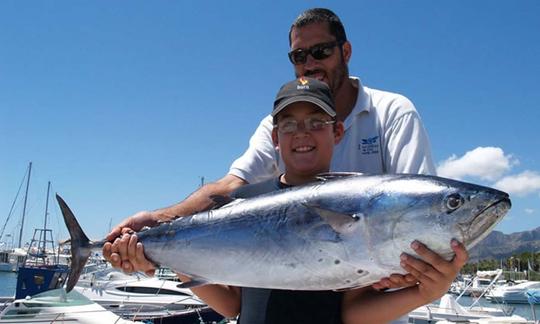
[{"x": 498, "y": 245}]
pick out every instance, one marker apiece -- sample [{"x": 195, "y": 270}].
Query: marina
[{"x": 8, "y": 280}]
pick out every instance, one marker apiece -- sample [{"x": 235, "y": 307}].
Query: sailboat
[
  {"x": 11, "y": 258},
  {"x": 41, "y": 270}
]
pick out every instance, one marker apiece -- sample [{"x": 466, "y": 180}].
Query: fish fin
[
  {"x": 336, "y": 175},
  {"x": 193, "y": 283},
  {"x": 340, "y": 222},
  {"x": 219, "y": 201},
  {"x": 349, "y": 288},
  {"x": 80, "y": 244}
]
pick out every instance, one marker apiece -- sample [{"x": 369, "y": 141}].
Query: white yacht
[
  {"x": 515, "y": 294},
  {"x": 140, "y": 297},
  {"x": 11, "y": 259},
  {"x": 55, "y": 306},
  {"x": 450, "y": 311}
]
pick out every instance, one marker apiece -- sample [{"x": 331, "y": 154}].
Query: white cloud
[
  {"x": 521, "y": 184},
  {"x": 487, "y": 163},
  {"x": 529, "y": 210}
]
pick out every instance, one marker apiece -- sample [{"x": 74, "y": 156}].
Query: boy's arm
[{"x": 435, "y": 275}]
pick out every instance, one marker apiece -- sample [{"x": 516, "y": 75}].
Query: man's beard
[{"x": 339, "y": 76}]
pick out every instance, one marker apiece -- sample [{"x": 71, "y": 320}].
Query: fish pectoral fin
[
  {"x": 349, "y": 288},
  {"x": 341, "y": 223},
  {"x": 336, "y": 175},
  {"x": 195, "y": 282},
  {"x": 219, "y": 201}
]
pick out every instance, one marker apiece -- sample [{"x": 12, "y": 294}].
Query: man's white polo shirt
[{"x": 383, "y": 134}]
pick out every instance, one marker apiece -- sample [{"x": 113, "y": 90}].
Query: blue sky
[{"x": 125, "y": 105}]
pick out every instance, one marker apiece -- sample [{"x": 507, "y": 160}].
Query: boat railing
[{"x": 491, "y": 284}]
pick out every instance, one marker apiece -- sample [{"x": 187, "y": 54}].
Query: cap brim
[{"x": 321, "y": 104}]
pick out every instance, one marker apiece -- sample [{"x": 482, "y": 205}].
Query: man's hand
[
  {"x": 435, "y": 274},
  {"x": 124, "y": 251}
]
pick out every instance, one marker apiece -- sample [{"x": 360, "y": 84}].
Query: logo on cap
[{"x": 303, "y": 84}]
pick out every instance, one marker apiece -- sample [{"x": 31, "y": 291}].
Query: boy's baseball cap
[{"x": 305, "y": 89}]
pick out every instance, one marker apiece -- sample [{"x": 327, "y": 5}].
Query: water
[{"x": 8, "y": 283}]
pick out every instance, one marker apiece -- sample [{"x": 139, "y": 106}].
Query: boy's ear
[
  {"x": 339, "y": 131},
  {"x": 275, "y": 138}
]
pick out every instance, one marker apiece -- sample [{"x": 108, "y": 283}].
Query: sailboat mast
[
  {"x": 47, "y": 204},
  {"x": 46, "y": 213},
  {"x": 25, "y": 199}
]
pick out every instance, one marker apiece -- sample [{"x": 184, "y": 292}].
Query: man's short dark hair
[{"x": 320, "y": 15}]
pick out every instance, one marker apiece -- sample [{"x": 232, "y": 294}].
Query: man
[{"x": 383, "y": 134}]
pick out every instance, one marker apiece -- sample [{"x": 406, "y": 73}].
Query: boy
[{"x": 305, "y": 132}]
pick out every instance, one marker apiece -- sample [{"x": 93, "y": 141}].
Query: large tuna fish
[{"x": 344, "y": 231}]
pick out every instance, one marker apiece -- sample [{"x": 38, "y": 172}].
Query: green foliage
[{"x": 521, "y": 266}]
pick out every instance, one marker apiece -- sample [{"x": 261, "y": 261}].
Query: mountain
[{"x": 501, "y": 246}]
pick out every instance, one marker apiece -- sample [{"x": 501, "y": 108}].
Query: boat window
[
  {"x": 4, "y": 257},
  {"x": 57, "y": 298},
  {"x": 20, "y": 314},
  {"x": 151, "y": 290}
]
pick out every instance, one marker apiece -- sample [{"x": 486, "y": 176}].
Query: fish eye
[{"x": 454, "y": 201}]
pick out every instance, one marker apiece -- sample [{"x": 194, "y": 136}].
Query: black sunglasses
[{"x": 318, "y": 52}]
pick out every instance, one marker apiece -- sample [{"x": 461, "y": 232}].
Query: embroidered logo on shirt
[{"x": 369, "y": 145}]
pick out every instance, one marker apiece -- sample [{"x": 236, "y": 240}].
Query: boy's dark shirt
[{"x": 273, "y": 306}]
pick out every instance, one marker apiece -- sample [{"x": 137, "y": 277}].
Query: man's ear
[
  {"x": 339, "y": 131},
  {"x": 347, "y": 51},
  {"x": 275, "y": 138}
]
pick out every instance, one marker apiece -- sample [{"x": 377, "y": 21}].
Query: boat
[
  {"x": 512, "y": 294},
  {"x": 477, "y": 286},
  {"x": 140, "y": 297},
  {"x": 12, "y": 258},
  {"x": 57, "y": 306},
  {"x": 491, "y": 320},
  {"x": 39, "y": 296},
  {"x": 450, "y": 311},
  {"x": 5, "y": 265}
]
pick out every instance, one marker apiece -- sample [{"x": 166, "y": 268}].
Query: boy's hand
[
  {"x": 123, "y": 253},
  {"x": 395, "y": 281},
  {"x": 435, "y": 275}
]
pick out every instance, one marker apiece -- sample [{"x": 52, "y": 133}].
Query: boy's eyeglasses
[
  {"x": 289, "y": 126},
  {"x": 318, "y": 52}
]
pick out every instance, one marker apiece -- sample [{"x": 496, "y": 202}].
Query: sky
[{"x": 127, "y": 105}]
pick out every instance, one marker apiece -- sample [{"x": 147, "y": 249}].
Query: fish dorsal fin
[
  {"x": 219, "y": 201},
  {"x": 341, "y": 223},
  {"x": 336, "y": 175}
]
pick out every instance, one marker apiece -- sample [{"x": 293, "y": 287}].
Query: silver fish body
[{"x": 334, "y": 234}]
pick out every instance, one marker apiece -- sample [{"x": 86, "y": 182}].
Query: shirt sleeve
[
  {"x": 260, "y": 161},
  {"x": 408, "y": 149}
]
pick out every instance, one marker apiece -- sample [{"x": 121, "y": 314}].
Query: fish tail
[{"x": 81, "y": 247}]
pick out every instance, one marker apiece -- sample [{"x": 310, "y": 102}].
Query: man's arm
[
  {"x": 407, "y": 146},
  {"x": 119, "y": 252},
  {"x": 435, "y": 276}
]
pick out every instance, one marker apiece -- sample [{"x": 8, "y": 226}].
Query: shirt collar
[{"x": 363, "y": 102}]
